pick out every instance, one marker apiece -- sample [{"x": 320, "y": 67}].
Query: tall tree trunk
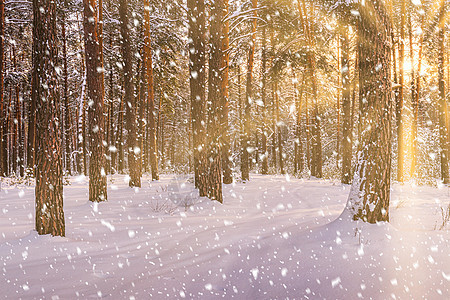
[
  {"x": 141, "y": 88},
  {"x": 224, "y": 97},
  {"x": 119, "y": 139},
  {"x": 22, "y": 135},
  {"x": 416, "y": 102},
  {"x": 338, "y": 102},
  {"x": 49, "y": 188},
  {"x": 299, "y": 163},
  {"x": 132, "y": 142},
  {"x": 273, "y": 105},
  {"x": 400, "y": 133},
  {"x": 197, "y": 44},
  {"x": 245, "y": 170},
  {"x": 265, "y": 158},
  {"x": 216, "y": 100},
  {"x": 101, "y": 69},
  {"x": 3, "y": 112},
  {"x": 15, "y": 115},
  {"x": 111, "y": 140},
  {"x": 346, "y": 109},
  {"x": 67, "y": 119},
  {"x": 96, "y": 130},
  {"x": 153, "y": 150},
  {"x": 370, "y": 192},
  {"x": 442, "y": 104},
  {"x": 413, "y": 97},
  {"x": 279, "y": 133},
  {"x": 316, "y": 143}
]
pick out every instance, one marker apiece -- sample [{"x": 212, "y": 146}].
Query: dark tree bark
[
  {"x": 96, "y": 131},
  {"x": 245, "y": 169},
  {"x": 197, "y": 44},
  {"x": 153, "y": 150},
  {"x": 49, "y": 188},
  {"x": 132, "y": 141},
  {"x": 346, "y": 109}
]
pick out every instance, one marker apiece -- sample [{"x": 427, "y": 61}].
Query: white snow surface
[{"x": 274, "y": 237}]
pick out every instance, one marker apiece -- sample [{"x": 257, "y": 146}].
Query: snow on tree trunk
[{"x": 370, "y": 192}]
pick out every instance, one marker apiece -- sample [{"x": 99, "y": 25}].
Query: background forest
[{"x": 271, "y": 86}]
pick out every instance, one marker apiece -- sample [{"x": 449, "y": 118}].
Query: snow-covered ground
[{"x": 274, "y": 237}]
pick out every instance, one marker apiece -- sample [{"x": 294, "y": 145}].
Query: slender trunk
[
  {"x": 273, "y": 106},
  {"x": 213, "y": 147},
  {"x": 299, "y": 163},
  {"x": 15, "y": 113},
  {"x": 224, "y": 98},
  {"x": 264, "y": 129},
  {"x": 400, "y": 133},
  {"x": 132, "y": 142},
  {"x": 316, "y": 157},
  {"x": 280, "y": 137},
  {"x": 416, "y": 102},
  {"x": 245, "y": 170},
  {"x": 142, "y": 108},
  {"x": 96, "y": 130},
  {"x": 346, "y": 109},
  {"x": 119, "y": 139},
  {"x": 197, "y": 44},
  {"x": 112, "y": 140},
  {"x": 67, "y": 119},
  {"x": 49, "y": 187},
  {"x": 150, "y": 96},
  {"x": 338, "y": 102},
  {"x": 22, "y": 136},
  {"x": 3, "y": 124},
  {"x": 442, "y": 104},
  {"x": 413, "y": 98},
  {"x": 84, "y": 136}
]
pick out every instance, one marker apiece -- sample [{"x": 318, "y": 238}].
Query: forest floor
[{"x": 274, "y": 237}]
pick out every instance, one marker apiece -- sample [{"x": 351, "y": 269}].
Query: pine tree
[
  {"x": 96, "y": 131},
  {"x": 150, "y": 94},
  {"x": 399, "y": 104},
  {"x": 129, "y": 99},
  {"x": 245, "y": 168},
  {"x": 442, "y": 104},
  {"x": 197, "y": 44},
  {"x": 49, "y": 188},
  {"x": 3, "y": 128},
  {"x": 370, "y": 192},
  {"x": 346, "y": 108}
]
